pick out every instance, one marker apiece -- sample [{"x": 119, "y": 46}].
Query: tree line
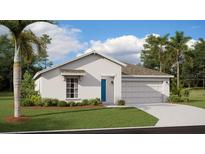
[
  {"x": 24, "y": 51},
  {"x": 31, "y": 60},
  {"x": 173, "y": 55}
]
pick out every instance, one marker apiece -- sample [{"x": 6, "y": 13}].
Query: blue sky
[
  {"x": 121, "y": 39},
  {"x": 106, "y": 29},
  {"x": 103, "y": 29}
]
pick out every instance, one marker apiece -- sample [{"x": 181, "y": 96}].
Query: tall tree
[
  {"x": 23, "y": 44},
  {"x": 178, "y": 45},
  {"x": 153, "y": 54},
  {"x": 33, "y": 63},
  {"x": 194, "y": 65},
  {"x": 6, "y": 56}
]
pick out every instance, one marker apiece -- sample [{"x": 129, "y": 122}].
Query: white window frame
[{"x": 74, "y": 88}]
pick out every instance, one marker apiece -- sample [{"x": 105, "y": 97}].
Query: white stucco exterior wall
[
  {"x": 166, "y": 89},
  {"x": 53, "y": 85}
]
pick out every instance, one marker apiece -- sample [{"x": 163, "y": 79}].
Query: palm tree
[
  {"x": 155, "y": 46},
  {"x": 162, "y": 43},
  {"x": 23, "y": 42},
  {"x": 178, "y": 44}
]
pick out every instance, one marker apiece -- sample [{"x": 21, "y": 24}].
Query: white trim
[
  {"x": 74, "y": 88},
  {"x": 72, "y": 74},
  {"x": 148, "y": 76},
  {"x": 110, "y": 75},
  {"x": 77, "y": 58}
]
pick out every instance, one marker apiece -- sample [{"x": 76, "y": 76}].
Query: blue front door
[{"x": 103, "y": 90}]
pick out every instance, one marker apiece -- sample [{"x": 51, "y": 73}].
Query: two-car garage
[
  {"x": 144, "y": 85},
  {"x": 144, "y": 90}
]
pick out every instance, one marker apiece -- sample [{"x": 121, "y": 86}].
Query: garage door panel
[
  {"x": 141, "y": 94},
  {"x": 142, "y": 100},
  {"x": 142, "y": 91}
]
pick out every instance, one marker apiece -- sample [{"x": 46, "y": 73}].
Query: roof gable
[{"x": 78, "y": 58}]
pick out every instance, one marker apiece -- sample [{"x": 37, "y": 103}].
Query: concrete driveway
[{"x": 174, "y": 114}]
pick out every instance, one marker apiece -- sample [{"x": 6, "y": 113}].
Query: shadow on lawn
[{"x": 67, "y": 111}]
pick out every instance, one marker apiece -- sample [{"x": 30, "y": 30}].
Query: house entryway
[
  {"x": 107, "y": 89},
  {"x": 103, "y": 90}
]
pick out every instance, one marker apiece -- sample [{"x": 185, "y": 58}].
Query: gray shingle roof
[{"x": 131, "y": 69}]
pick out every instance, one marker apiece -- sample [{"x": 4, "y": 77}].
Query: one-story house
[{"x": 94, "y": 75}]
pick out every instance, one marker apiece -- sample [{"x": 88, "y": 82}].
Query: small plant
[
  {"x": 79, "y": 104},
  {"x": 85, "y": 102},
  {"x": 27, "y": 102},
  {"x": 121, "y": 102},
  {"x": 54, "y": 102},
  {"x": 62, "y": 103},
  {"x": 177, "y": 99},
  {"x": 99, "y": 101},
  {"x": 36, "y": 99},
  {"x": 186, "y": 93},
  {"x": 28, "y": 85},
  {"x": 94, "y": 102},
  {"x": 48, "y": 102},
  {"x": 72, "y": 103}
]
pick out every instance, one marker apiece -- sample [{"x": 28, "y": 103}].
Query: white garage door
[{"x": 142, "y": 91}]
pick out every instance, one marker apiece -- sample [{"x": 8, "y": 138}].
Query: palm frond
[
  {"x": 17, "y": 26},
  {"x": 29, "y": 43}
]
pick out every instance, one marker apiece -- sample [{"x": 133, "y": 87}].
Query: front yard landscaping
[
  {"x": 59, "y": 118},
  {"x": 197, "y": 98}
]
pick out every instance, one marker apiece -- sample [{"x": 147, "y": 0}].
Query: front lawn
[
  {"x": 197, "y": 98},
  {"x": 65, "y": 118}
]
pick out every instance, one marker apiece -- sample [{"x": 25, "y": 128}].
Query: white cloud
[
  {"x": 126, "y": 48},
  {"x": 64, "y": 40},
  {"x": 3, "y": 30},
  {"x": 191, "y": 42}
]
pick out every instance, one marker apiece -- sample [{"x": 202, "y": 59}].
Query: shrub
[
  {"x": 62, "y": 103},
  {"x": 79, "y": 104},
  {"x": 71, "y": 103},
  {"x": 186, "y": 93},
  {"x": 47, "y": 102},
  {"x": 28, "y": 85},
  {"x": 186, "y": 99},
  {"x": 54, "y": 102},
  {"x": 39, "y": 103},
  {"x": 36, "y": 99},
  {"x": 85, "y": 102},
  {"x": 50, "y": 102},
  {"x": 177, "y": 99},
  {"x": 94, "y": 102},
  {"x": 121, "y": 102},
  {"x": 174, "y": 89},
  {"x": 27, "y": 102},
  {"x": 98, "y": 99}
]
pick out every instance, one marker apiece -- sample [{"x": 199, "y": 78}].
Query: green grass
[
  {"x": 197, "y": 98},
  {"x": 65, "y": 118}
]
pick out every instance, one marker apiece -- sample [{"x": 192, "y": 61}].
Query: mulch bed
[
  {"x": 11, "y": 119},
  {"x": 58, "y": 107}
]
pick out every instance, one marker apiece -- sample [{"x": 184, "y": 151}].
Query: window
[{"x": 72, "y": 88}]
